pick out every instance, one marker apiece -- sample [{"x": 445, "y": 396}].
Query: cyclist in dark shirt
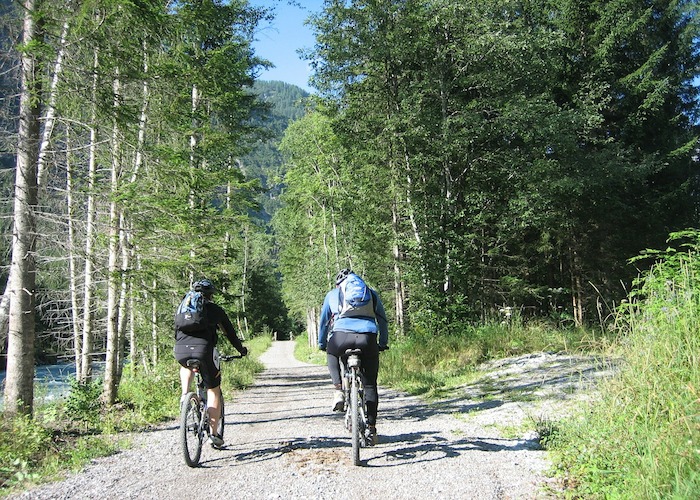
[{"x": 204, "y": 349}]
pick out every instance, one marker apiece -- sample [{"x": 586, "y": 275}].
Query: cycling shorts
[
  {"x": 208, "y": 358},
  {"x": 341, "y": 340}
]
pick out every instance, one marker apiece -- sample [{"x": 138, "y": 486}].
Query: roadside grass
[
  {"x": 434, "y": 365},
  {"x": 65, "y": 435},
  {"x": 642, "y": 440},
  {"x": 306, "y": 353}
]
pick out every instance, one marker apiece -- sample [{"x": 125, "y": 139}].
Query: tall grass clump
[{"x": 642, "y": 440}]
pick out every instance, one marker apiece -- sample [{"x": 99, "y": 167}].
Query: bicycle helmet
[
  {"x": 341, "y": 276},
  {"x": 205, "y": 286}
]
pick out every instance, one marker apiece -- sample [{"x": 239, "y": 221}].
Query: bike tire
[
  {"x": 191, "y": 435},
  {"x": 355, "y": 417}
]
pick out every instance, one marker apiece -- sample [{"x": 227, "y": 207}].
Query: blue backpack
[
  {"x": 191, "y": 315},
  {"x": 355, "y": 298}
]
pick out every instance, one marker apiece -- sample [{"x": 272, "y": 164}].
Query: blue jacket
[{"x": 331, "y": 308}]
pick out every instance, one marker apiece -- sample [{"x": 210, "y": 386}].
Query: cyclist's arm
[
  {"x": 230, "y": 332},
  {"x": 325, "y": 321}
]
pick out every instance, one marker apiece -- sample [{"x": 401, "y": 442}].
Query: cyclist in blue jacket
[{"x": 366, "y": 330}]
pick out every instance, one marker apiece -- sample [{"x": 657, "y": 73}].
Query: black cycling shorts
[
  {"x": 208, "y": 357},
  {"x": 341, "y": 341}
]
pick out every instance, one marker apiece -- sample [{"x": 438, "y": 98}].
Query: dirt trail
[{"x": 282, "y": 442}]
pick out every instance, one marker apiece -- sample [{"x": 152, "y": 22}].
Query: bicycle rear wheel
[
  {"x": 191, "y": 434},
  {"x": 355, "y": 417}
]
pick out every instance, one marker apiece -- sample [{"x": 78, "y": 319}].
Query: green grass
[
  {"x": 434, "y": 365},
  {"x": 65, "y": 436},
  {"x": 642, "y": 441},
  {"x": 308, "y": 354}
]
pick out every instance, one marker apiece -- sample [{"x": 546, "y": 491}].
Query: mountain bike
[
  {"x": 355, "y": 405},
  {"x": 194, "y": 416}
]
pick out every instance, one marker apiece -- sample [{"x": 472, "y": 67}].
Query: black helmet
[
  {"x": 205, "y": 286},
  {"x": 342, "y": 274}
]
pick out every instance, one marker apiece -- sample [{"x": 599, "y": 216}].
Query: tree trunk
[
  {"x": 399, "y": 298},
  {"x": 244, "y": 281},
  {"x": 111, "y": 379},
  {"x": 576, "y": 288},
  {"x": 88, "y": 313},
  {"x": 19, "y": 382},
  {"x": 154, "y": 326},
  {"x": 72, "y": 265},
  {"x": 50, "y": 118},
  {"x": 123, "y": 295},
  {"x": 127, "y": 250},
  {"x": 312, "y": 326}
]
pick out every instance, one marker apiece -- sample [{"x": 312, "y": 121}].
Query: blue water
[{"x": 51, "y": 381}]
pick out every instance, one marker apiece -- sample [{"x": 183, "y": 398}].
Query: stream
[{"x": 50, "y": 381}]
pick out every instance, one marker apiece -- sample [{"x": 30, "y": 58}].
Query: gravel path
[{"x": 282, "y": 442}]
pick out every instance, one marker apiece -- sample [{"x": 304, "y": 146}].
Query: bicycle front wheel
[
  {"x": 355, "y": 418},
  {"x": 191, "y": 434}
]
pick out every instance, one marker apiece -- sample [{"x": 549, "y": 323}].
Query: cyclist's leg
[
  {"x": 333, "y": 363},
  {"x": 338, "y": 343},
  {"x": 214, "y": 407},
  {"x": 211, "y": 375},
  {"x": 369, "y": 372},
  {"x": 186, "y": 376}
]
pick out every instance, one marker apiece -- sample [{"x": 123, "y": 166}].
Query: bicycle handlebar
[{"x": 230, "y": 357}]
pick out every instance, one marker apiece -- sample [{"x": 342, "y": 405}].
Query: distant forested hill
[{"x": 265, "y": 161}]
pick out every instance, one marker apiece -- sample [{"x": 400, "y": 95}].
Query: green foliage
[
  {"x": 308, "y": 354},
  {"x": 83, "y": 401},
  {"x": 548, "y": 430},
  {"x": 265, "y": 307},
  {"x": 148, "y": 395},
  {"x": 32, "y": 451},
  {"x": 514, "y": 147},
  {"x": 641, "y": 440},
  {"x": 22, "y": 446}
]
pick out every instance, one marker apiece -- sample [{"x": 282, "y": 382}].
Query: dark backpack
[
  {"x": 355, "y": 298},
  {"x": 191, "y": 315}
]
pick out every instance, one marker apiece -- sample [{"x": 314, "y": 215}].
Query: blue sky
[{"x": 279, "y": 40}]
